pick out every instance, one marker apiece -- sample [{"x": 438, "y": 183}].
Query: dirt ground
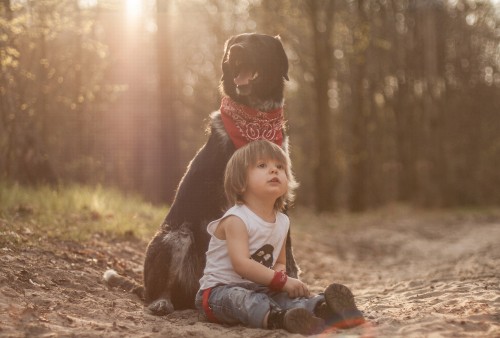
[{"x": 425, "y": 276}]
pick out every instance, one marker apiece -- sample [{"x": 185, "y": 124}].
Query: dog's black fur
[{"x": 175, "y": 257}]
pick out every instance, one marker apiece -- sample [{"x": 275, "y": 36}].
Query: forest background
[{"x": 388, "y": 100}]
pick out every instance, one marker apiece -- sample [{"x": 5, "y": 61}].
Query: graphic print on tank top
[{"x": 264, "y": 255}]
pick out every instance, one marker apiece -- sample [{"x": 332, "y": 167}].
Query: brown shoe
[
  {"x": 299, "y": 320},
  {"x": 341, "y": 310}
]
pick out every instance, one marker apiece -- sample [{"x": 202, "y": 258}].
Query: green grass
[{"x": 73, "y": 213}]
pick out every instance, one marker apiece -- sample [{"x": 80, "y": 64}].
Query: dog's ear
[
  {"x": 227, "y": 46},
  {"x": 283, "y": 58}
]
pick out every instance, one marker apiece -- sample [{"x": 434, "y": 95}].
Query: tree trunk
[
  {"x": 321, "y": 20},
  {"x": 6, "y": 9},
  {"x": 359, "y": 161},
  {"x": 168, "y": 120},
  {"x": 6, "y": 129}
]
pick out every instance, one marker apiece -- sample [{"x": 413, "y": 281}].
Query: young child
[{"x": 244, "y": 281}]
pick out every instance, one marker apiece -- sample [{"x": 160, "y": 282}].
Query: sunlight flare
[{"x": 133, "y": 9}]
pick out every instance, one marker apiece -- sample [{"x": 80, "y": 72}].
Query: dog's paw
[{"x": 160, "y": 307}]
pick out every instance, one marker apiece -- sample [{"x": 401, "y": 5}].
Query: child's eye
[
  {"x": 261, "y": 165},
  {"x": 280, "y": 166}
]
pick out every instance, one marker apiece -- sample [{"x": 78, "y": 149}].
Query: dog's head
[{"x": 254, "y": 68}]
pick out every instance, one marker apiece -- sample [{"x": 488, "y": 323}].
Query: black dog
[{"x": 254, "y": 69}]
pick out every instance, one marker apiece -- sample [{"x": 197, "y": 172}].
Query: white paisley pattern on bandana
[{"x": 245, "y": 124}]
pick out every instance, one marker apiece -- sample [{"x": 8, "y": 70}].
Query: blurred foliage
[
  {"x": 51, "y": 89},
  {"x": 388, "y": 100}
]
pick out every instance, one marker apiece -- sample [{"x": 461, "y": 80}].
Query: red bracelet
[{"x": 278, "y": 281}]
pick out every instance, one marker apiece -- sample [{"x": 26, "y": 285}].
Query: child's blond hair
[{"x": 235, "y": 177}]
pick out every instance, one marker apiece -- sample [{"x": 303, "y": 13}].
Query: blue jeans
[{"x": 248, "y": 303}]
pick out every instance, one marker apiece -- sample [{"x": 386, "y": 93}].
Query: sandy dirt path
[{"x": 413, "y": 275}]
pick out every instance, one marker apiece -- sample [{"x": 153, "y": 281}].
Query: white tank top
[{"x": 264, "y": 242}]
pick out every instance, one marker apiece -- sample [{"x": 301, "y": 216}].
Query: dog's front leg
[
  {"x": 292, "y": 269},
  {"x": 157, "y": 275}
]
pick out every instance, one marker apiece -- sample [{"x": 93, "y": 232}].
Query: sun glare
[
  {"x": 134, "y": 8},
  {"x": 87, "y": 3}
]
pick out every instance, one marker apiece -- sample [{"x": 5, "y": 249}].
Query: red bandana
[{"x": 245, "y": 124}]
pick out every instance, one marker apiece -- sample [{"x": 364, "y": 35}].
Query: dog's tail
[{"x": 113, "y": 279}]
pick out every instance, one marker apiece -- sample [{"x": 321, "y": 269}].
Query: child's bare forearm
[
  {"x": 279, "y": 267},
  {"x": 253, "y": 271}
]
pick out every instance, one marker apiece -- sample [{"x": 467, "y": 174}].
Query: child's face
[{"x": 267, "y": 179}]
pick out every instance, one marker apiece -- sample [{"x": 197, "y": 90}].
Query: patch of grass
[{"x": 73, "y": 213}]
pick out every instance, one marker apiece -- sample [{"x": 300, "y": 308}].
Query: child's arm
[
  {"x": 281, "y": 261},
  {"x": 236, "y": 237}
]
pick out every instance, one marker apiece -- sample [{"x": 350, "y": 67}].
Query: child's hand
[{"x": 295, "y": 288}]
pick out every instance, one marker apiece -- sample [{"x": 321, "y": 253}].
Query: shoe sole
[
  {"x": 301, "y": 321},
  {"x": 341, "y": 301}
]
